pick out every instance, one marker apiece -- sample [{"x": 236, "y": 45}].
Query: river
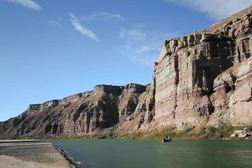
[{"x": 115, "y": 153}]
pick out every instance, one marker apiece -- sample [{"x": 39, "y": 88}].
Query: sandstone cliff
[
  {"x": 76, "y": 115},
  {"x": 203, "y": 79}
]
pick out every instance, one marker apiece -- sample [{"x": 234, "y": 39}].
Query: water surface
[{"x": 154, "y": 154}]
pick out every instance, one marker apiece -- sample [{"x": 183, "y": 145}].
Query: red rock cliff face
[
  {"x": 77, "y": 115},
  {"x": 205, "y": 78}
]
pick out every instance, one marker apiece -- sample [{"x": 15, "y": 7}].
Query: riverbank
[
  {"x": 189, "y": 133},
  {"x": 30, "y": 154}
]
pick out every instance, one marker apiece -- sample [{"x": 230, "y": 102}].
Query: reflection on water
[{"x": 154, "y": 154}]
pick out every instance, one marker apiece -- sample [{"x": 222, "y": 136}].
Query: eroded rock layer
[
  {"x": 205, "y": 78},
  {"x": 80, "y": 114}
]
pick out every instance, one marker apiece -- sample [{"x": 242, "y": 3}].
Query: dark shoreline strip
[
  {"x": 69, "y": 159},
  {"x": 20, "y": 141}
]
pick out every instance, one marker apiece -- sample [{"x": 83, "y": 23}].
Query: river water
[{"x": 114, "y": 153}]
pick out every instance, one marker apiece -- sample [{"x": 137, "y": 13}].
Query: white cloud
[
  {"x": 217, "y": 9},
  {"x": 144, "y": 53},
  {"x": 55, "y": 23},
  {"x": 82, "y": 29},
  {"x": 133, "y": 34},
  {"x": 27, "y": 3},
  {"x": 103, "y": 16},
  {"x": 144, "y": 47}
]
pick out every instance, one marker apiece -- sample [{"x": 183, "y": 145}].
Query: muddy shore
[{"x": 32, "y": 154}]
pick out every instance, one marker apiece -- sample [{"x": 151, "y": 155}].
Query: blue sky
[{"x": 51, "y": 49}]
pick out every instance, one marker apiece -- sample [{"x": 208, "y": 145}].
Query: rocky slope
[
  {"x": 203, "y": 79},
  {"x": 76, "y": 115}
]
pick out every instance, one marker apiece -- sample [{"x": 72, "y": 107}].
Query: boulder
[{"x": 242, "y": 134}]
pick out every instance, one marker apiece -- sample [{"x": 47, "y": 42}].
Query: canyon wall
[
  {"x": 200, "y": 80},
  {"x": 81, "y": 114},
  {"x": 205, "y": 78}
]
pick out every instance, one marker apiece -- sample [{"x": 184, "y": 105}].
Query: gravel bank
[{"x": 31, "y": 155}]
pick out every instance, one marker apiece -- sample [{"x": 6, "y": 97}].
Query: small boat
[{"x": 167, "y": 139}]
